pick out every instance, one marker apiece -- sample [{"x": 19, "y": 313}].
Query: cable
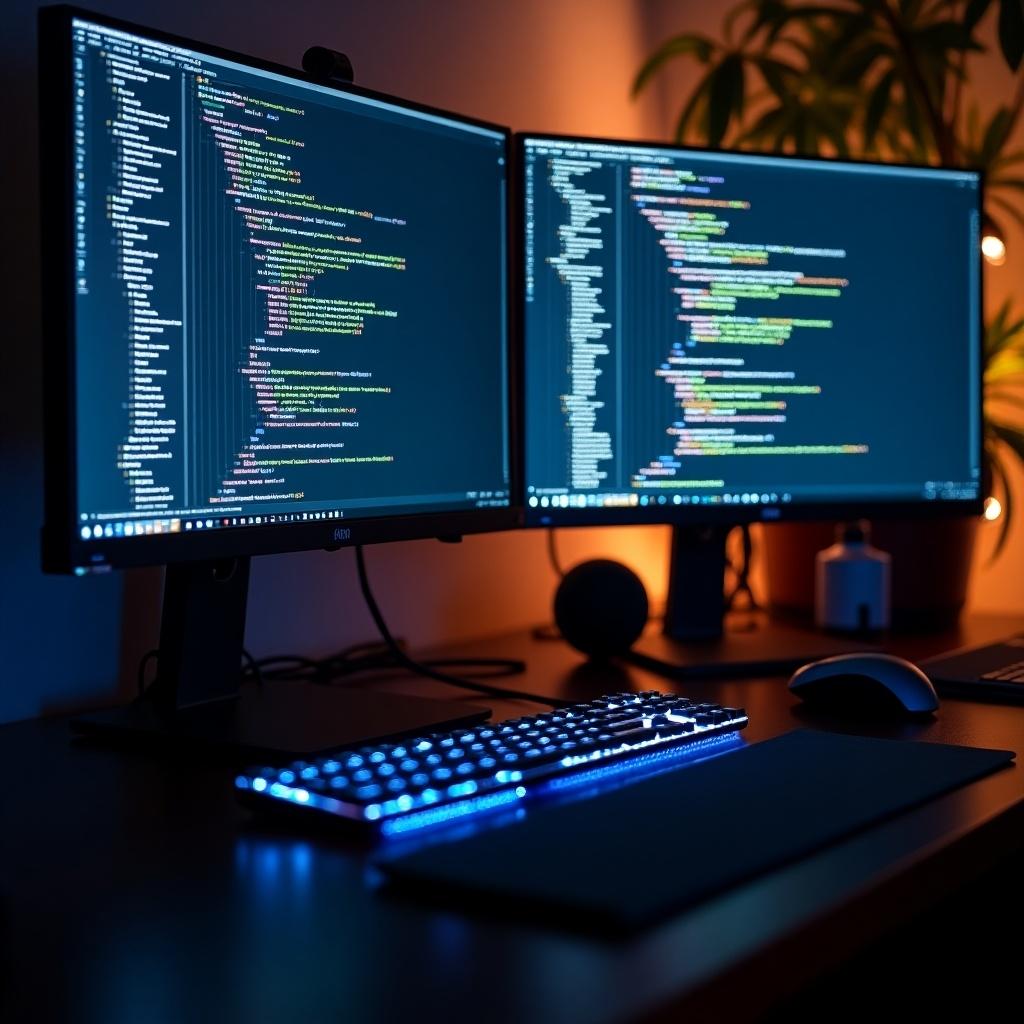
[
  {"x": 424, "y": 669},
  {"x": 550, "y": 631},
  {"x": 364, "y": 657},
  {"x": 742, "y": 573},
  {"x": 252, "y": 667},
  {"x": 143, "y": 665},
  {"x": 556, "y": 562}
]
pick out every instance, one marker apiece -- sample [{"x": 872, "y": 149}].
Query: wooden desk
[{"x": 133, "y": 890}]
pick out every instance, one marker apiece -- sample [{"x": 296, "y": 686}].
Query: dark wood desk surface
[{"x": 134, "y": 891}]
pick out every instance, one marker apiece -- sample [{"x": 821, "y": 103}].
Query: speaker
[{"x": 601, "y": 607}]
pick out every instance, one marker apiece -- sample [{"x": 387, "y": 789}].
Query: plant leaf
[
  {"x": 995, "y": 135},
  {"x": 1000, "y": 480},
  {"x": 1006, "y": 369},
  {"x": 974, "y": 12},
  {"x": 1017, "y": 183},
  {"x": 779, "y": 76},
  {"x": 725, "y": 97},
  {"x": 695, "y": 104},
  {"x": 768, "y": 14},
  {"x": 689, "y": 44},
  {"x": 999, "y": 334},
  {"x": 940, "y": 36},
  {"x": 878, "y": 104},
  {"x": 1012, "y": 437},
  {"x": 1011, "y": 31},
  {"x": 1009, "y": 208}
]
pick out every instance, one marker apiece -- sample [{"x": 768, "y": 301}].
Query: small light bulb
[
  {"x": 994, "y": 250},
  {"x": 993, "y": 509}
]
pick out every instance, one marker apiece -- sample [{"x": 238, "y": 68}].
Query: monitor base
[
  {"x": 751, "y": 645},
  {"x": 279, "y": 721}
]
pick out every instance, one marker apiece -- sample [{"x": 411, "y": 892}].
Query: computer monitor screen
[
  {"x": 286, "y": 323},
  {"x": 728, "y": 336}
]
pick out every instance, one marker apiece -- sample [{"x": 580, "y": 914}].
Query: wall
[{"x": 562, "y": 66}]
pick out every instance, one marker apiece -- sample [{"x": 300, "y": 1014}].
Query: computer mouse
[{"x": 866, "y": 685}]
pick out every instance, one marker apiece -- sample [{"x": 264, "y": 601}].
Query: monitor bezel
[
  {"x": 63, "y": 550},
  {"x": 724, "y": 515}
]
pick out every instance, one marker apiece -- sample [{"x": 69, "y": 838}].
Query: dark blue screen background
[
  {"x": 432, "y": 436},
  {"x": 898, "y": 370}
]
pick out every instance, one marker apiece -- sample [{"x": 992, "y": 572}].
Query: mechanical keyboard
[{"x": 441, "y": 777}]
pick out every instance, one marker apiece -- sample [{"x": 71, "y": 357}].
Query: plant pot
[{"x": 931, "y": 566}]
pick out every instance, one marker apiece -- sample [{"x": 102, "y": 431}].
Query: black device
[
  {"x": 455, "y": 777},
  {"x": 244, "y": 349},
  {"x": 715, "y": 338},
  {"x": 991, "y": 671},
  {"x": 329, "y": 66},
  {"x": 601, "y": 607},
  {"x": 866, "y": 686}
]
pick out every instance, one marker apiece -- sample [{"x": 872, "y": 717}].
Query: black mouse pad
[{"x": 693, "y": 832}]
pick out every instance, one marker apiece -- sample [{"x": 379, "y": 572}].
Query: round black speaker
[{"x": 601, "y": 607}]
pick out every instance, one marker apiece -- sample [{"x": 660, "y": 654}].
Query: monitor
[
  {"x": 282, "y": 309},
  {"x": 717, "y": 338},
  {"x": 276, "y": 313}
]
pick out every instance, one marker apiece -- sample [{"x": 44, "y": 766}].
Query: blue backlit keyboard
[{"x": 442, "y": 777}]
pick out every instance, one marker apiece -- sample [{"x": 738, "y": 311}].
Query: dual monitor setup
[{"x": 284, "y": 314}]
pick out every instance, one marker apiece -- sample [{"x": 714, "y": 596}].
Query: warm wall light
[
  {"x": 994, "y": 250},
  {"x": 993, "y": 509}
]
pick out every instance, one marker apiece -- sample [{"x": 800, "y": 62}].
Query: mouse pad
[{"x": 635, "y": 855}]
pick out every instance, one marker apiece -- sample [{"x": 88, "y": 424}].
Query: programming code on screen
[
  {"x": 718, "y": 329},
  {"x": 290, "y": 302}
]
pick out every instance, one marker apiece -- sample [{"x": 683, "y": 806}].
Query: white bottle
[{"x": 852, "y": 583}]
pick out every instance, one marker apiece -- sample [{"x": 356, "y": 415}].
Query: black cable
[
  {"x": 252, "y": 666},
  {"x": 425, "y": 670},
  {"x": 496, "y": 668},
  {"x": 550, "y": 631},
  {"x": 556, "y": 562},
  {"x": 143, "y": 665},
  {"x": 742, "y": 573},
  {"x": 364, "y": 657}
]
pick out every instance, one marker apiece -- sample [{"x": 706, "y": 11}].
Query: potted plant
[{"x": 890, "y": 80}]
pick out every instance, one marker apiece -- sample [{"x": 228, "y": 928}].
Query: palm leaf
[
  {"x": 1008, "y": 207},
  {"x": 1011, "y": 31},
  {"x": 779, "y": 76},
  {"x": 941, "y": 36},
  {"x": 974, "y": 12},
  {"x": 878, "y": 104},
  {"x": 1007, "y": 159},
  {"x": 1017, "y": 183},
  {"x": 725, "y": 97},
  {"x": 1000, "y": 481},
  {"x": 1005, "y": 368},
  {"x": 1012, "y": 437},
  {"x": 995, "y": 135},
  {"x": 1002, "y": 398},
  {"x": 1000, "y": 333},
  {"x": 694, "y": 106},
  {"x": 689, "y": 44},
  {"x": 764, "y": 128}
]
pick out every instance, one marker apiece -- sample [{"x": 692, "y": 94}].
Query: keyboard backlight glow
[{"x": 450, "y": 812}]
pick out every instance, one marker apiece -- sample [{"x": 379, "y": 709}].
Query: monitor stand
[
  {"x": 198, "y": 698},
  {"x": 699, "y": 641}
]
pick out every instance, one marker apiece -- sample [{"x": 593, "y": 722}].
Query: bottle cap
[{"x": 858, "y": 532}]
